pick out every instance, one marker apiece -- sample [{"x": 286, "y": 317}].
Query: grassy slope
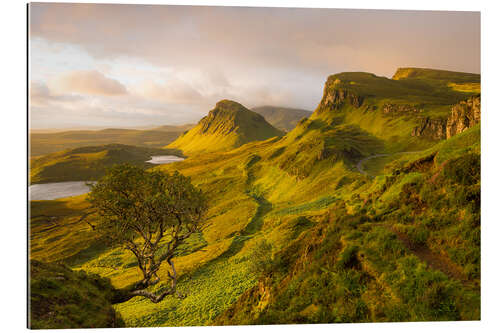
[
  {"x": 89, "y": 163},
  {"x": 227, "y": 126},
  {"x": 284, "y": 119},
  {"x": 432, "y": 92},
  {"x": 344, "y": 247},
  {"x": 46, "y": 143},
  {"x": 62, "y": 298}
]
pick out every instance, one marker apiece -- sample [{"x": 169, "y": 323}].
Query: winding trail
[{"x": 360, "y": 163}]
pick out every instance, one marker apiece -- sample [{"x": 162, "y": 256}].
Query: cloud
[
  {"x": 231, "y": 38},
  {"x": 41, "y": 96},
  {"x": 171, "y": 64},
  {"x": 173, "y": 91},
  {"x": 88, "y": 82}
]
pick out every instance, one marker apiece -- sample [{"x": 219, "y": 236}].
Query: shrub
[
  {"x": 418, "y": 234},
  {"x": 261, "y": 261},
  {"x": 349, "y": 257},
  {"x": 464, "y": 170}
]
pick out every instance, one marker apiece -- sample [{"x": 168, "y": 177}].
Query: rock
[
  {"x": 464, "y": 115},
  {"x": 434, "y": 129},
  {"x": 337, "y": 93},
  {"x": 399, "y": 109}
]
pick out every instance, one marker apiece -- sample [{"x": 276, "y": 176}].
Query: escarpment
[
  {"x": 338, "y": 93},
  {"x": 463, "y": 116}
]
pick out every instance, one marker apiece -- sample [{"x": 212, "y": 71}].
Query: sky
[{"x": 101, "y": 65}]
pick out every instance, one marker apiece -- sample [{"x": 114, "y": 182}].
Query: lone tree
[{"x": 150, "y": 214}]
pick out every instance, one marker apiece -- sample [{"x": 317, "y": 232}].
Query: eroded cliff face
[
  {"x": 336, "y": 93},
  {"x": 434, "y": 129},
  {"x": 398, "y": 109},
  {"x": 463, "y": 116}
]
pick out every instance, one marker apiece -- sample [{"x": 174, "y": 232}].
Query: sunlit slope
[
  {"x": 46, "y": 143},
  {"x": 282, "y": 118},
  {"x": 227, "y": 126},
  {"x": 89, "y": 163},
  {"x": 405, "y": 247},
  {"x": 390, "y": 109}
]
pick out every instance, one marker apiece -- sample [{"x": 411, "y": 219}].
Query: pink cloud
[{"x": 88, "y": 83}]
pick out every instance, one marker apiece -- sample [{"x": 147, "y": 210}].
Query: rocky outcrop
[
  {"x": 429, "y": 128},
  {"x": 398, "y": 109},
  {"x": 337, "y": 93},
  {"x": 463, "y": 115}
]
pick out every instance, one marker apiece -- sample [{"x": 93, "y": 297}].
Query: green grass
[{"x": 62, "y": 298}]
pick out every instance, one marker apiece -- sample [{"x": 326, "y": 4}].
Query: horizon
[{"x": 170, "y": 64}]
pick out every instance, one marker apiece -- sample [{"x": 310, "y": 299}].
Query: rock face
[
  {"x": 434, "y": 129},
  {"x": 389, "y": 108},
  {"x": 464, "y": 115},
  {"x": 337, "y": 93}
]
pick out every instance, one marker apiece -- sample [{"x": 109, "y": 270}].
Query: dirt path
[{"x": 434, "y": 260}]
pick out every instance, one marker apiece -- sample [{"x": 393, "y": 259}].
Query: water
[
  {"x": 51, "y": 191},
  {"x": 164, "y": 159}
]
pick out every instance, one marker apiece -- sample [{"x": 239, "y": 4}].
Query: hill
[
  {"x": 89, "y": 163},
  {"x": 295, "y": 233},
  {"x": 284, "y": 119},
  {"x": 45, "y": 143},
  {"x": 172, "y": 128},
  {"x": 227, "y": 126},
  {"x": 62, "y": 298}
]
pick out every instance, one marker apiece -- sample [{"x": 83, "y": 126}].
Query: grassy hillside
[
  {"x": 403, "y": 247},
  {"x": 45, "y": 143},
  {"x": 296, "y": 234},
  {"x": 89, "y": 163},
  {"x": 61, "y": 298},
  {"x": 227, "y": 126},
  {"x": 390, "y": 109},
  {"x": 284, "y": 119}
]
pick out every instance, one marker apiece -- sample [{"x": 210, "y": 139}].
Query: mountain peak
[
  {"x": 228, "y": 125},
  {"x": 228, "y": 104}
]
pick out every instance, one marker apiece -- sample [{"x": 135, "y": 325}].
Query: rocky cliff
[
  {"x": 463, "y": 115},
  {"x": 434, "y": 129},
  {"x": 336, "y": 93}
]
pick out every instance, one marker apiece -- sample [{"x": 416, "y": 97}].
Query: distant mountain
[
  {"x": 282, "y": 118},
  {"x": 45, "y": 143},
  {"x": 174, "y": 128},
  {"x": 229, "y": 125},
  {"x": 89, "y": 163}
]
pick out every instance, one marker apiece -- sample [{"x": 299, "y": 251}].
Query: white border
[{"x": 13, "y": 191}]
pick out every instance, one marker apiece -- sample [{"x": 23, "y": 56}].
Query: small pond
[
  {"x": 164, "y": 159},
  {"x": 51, "y": 191}
]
